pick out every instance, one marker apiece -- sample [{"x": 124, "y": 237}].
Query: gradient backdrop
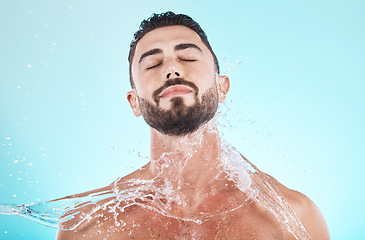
[{"x": 295, "y": 109}]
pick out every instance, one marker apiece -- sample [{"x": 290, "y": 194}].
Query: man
[{"x": 190, "y": 189}]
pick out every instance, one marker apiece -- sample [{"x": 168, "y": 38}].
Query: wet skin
[
  {"x": 251, "y": 221},
  {"x": 193, "y": 178}
]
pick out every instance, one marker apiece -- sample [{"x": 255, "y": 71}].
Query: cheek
[
  {"x": 143, "y": 84},
  {"x": 205, "y": 78},
  {"x": 145, "y": 90}
]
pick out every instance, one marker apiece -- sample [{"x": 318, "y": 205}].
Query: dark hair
[{"x": 164, "y": 20}]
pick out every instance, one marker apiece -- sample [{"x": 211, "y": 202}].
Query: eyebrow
[
  {"x": 187, "y": 45},
  {"x": 177, "y": 48},
  {"x": 149, "y": 53}
]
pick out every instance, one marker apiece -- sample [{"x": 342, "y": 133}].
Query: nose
[
  {"x": 173, "y": 70},
  {"x": 172, "y": 75}
]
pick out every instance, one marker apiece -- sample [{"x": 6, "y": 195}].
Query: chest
[{"x": 237, "y": 225}]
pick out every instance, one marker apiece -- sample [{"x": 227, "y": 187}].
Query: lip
[{"x": 175, "y": 90}]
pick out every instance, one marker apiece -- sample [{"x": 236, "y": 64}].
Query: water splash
[
  {"x": 273, "y": 200},
  {"x": 160, "y": 195},
  {"x": 53, "y": 213}
]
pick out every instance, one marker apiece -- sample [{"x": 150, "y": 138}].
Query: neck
[
  {"x": 190, "y": 167},
  {"x": 189, "y": 162}
]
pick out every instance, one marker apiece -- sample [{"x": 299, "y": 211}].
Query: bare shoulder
[
  {"x": 110, "y": 223},
  {"x": 308, "y": 213},
  {"x": 99, "y": 222},
  {"x": 88, "y": 223},
  {"x": 69, "y": 235}
]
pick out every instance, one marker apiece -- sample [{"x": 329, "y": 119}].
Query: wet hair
[{"x": 164, "y": 20}]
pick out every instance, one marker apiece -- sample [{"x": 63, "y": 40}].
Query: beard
[{"x": 180, "y": 119}]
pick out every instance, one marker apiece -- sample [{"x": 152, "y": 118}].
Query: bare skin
[
  {"x": 248, "y": 222},
  {"x": 192, "y": 165}
]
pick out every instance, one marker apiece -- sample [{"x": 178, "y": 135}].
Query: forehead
[{"x": 167, "y": 37}]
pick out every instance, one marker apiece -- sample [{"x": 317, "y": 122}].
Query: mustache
[{"x": 171, "y": 82}]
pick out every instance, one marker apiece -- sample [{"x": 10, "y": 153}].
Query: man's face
[{"x": 175, "y": 80}]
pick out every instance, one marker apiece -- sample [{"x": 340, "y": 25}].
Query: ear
[
  {"x": 133, "y": 101},
  {"x": 223, "y": 87}
]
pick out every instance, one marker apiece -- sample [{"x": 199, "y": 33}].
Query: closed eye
[
  {"x": 188, "y": 60},
  {"x": 156, "y": 65}
]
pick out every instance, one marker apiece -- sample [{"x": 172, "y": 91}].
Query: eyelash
[
  {"x": 154, "y": 66},
  {"x": 188, "y": 60},
  {"x": 185, "y": 60}
]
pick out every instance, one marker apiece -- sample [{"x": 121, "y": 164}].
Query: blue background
[{"x": 296, "y": 104}]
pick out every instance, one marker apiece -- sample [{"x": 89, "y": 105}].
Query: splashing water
[{"x": 161, "y": 196}]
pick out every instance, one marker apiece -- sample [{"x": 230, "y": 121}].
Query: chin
[{"x": 171, "y": 102}]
